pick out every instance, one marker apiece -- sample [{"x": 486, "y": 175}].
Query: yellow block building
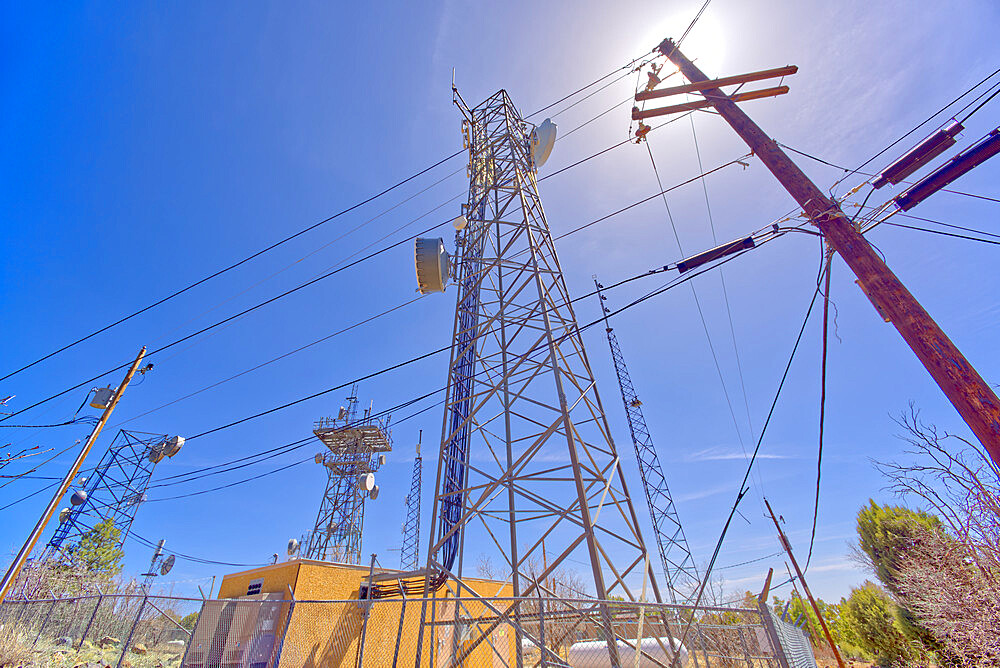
[{"x": 250, "y": 624}]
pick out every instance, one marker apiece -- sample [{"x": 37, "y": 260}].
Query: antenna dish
[
  {"x": 432, "y": 263},
  {"x": 381, "y": 460},
  {"x": 79, "y": 497},
  {"x": 293, "y": 546},
  {"x": 374, "y": 493},
  {"x": 167, "y": 564},
  {"x": 173, "y": 445},
  {"x": 366, "y": 482},
  {"x": 460, "y": 223},
  {"x": 543, "y": 138},
  {"x": 64, "y": 515},
  {"x": 168, "y": 447}
]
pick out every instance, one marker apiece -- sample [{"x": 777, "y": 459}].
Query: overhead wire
[
  {"x": 743, "y": 488},
  {"x": 920, "y": 125},
  {"x": 847, "y": 169},
  {"x": 286, "y": 239},
  {"x": 315, "y": 279},
  {"x": 941, "y": 232},
  {"x": 822, "y": 400},
  {"x": 722, "y": 278},
  {"x": 697, "y": 301},
  {"x": 234, "y": 265},
  {"x": 299, "y": 287}
]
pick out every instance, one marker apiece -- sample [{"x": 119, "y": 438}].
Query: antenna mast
[
  {"x": 409, "y": 555},
  {"x": 356, "y": 450},
  {"x": 675, "y": 555}
]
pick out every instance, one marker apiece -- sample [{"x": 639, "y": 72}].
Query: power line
[
  {"x": 187, "y": 557},
  {"x": 273, "y": 471},
  {"x": 822, "y": 401},
  {"x": 592, "y": 83},
  {"x": 322, "y": 277},
  {"x": 722, "y": 278},
  {"x": 743, "y": 489},
  {"x": 286, "y": 239},
  {"x": 234, "y": 265},
  {"x": 681, "y": 279},
  {"x": 846, "y": 169},
  {"x": 941, "y": 232},
  {"x": 922, "y": 123}
]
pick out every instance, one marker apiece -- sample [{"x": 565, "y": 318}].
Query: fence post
[
  {"x": 399, "y": 631},
  {"x": 288, "y": 622},
  {"x": 368, "y": 610},
  {"x": 86, "y": 629},
  {"x": 131, "y": 632},
  {"x": 44, "y": 622},
  {"x": 772, "y": 635}
]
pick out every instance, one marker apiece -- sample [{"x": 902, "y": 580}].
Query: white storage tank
[{"x": 594, "y": 653}]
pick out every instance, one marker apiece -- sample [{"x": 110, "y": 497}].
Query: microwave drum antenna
[
  {"x": 293, "y": 546},
  {"x": 366, "y": 482},
  {"x": 433, "y": 265}
]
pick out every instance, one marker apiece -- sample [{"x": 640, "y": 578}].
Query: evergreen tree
[
  {"x": 98, "y": 551},
  {"x": 867, "y": 621},
  {"x": 885, "y": 534}
]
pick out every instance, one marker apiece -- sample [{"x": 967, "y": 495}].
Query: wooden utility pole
[
  {"x": 29, "y": 544},
  {"x": 822, "y": 622},
  {"x": 968, "y": 392}
]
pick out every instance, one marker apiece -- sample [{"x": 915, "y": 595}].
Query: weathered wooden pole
[{"x": 971, "y": 396}]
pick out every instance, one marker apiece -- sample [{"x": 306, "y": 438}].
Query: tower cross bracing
[
  {"x": 115, "y": 490},
  {"x": 526, "y": 452}
]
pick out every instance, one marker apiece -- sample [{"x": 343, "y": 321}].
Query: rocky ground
[{"x": 105, "y": 653}]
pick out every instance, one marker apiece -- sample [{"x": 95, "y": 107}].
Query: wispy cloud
[
  {"x": 703, "y": 493},
  {"x": 717, "y": 454}
]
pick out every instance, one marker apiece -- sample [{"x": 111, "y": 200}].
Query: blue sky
[{"x": 146, "y": 147}]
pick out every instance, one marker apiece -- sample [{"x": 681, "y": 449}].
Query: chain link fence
[
  {"x": 105, "y": 630},
  {"x": 269, "y": 631}
]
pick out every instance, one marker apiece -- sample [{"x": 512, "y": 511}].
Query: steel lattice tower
[
  {"x": 356, "y": 448},
  {"x": 409, "y": 554},
  {"x": 675, "y": 555},
  {"x": 114, "y": 490},
  {"x": 526, "y": 452}
]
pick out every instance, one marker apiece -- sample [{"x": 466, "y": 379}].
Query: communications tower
[
  {"x": 526, "y": 453},
  {"x": 409, "y": 554},
  {"x": 114, "y": 491},
  {"x": 355, "y": 450},
  {"x": 678, "y": 566}
]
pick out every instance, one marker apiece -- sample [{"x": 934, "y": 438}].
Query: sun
[{"x": 705, "y": 44}]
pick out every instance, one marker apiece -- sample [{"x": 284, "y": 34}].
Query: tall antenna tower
[
  {"x": 409, "y": 555},
  {"x": 526, "y": 452},
  {"x": 675, "y": 555},
  {"x": 355, "y": 451},
  {"x": 114, "y": 491}
]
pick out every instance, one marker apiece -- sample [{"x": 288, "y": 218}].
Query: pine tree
[{"x": 98, "y": 551}]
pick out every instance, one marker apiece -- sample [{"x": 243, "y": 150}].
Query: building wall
[{"x": 327, "y": 618}]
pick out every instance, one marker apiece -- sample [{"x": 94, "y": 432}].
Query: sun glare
[{"x": 705, "y": 45}]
